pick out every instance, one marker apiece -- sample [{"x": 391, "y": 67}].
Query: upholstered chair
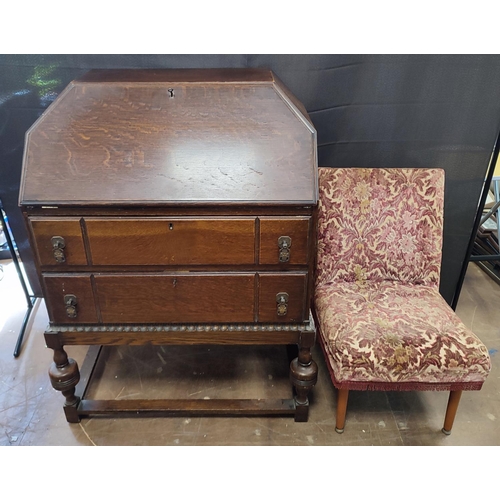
[{"x": 381, "y": 321}]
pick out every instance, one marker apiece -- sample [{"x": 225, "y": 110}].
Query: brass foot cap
[
  {"x": 339, "y": 431},
  {"x": 445, "y": 431}
]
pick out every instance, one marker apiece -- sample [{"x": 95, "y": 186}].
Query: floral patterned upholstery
[
  {"x": 380, "y": 224},
  {"x": 382, "y": 322}
]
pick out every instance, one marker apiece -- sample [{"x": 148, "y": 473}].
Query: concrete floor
[{"x": 31, "y": 411}]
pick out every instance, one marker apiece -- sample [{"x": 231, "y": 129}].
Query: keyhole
[
  {"x": 170, "y": 226},
  {"x": 170, "y": 92}
]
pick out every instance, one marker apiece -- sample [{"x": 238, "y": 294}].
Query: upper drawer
[
  {"x": 171, "y": 241},
  {"x": 284, "y": 240},
  {"x": 59, "y": 241}
]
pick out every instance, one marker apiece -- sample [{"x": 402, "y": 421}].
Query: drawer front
[
  {"x": 68, "y": 250},
  {"x": 176, "y": 298},
  {"x": 171, "y": 241},
  {"x": 61, "y": 307},
  {"x": 294, "y": 308},
  {"x": 272, "y": 234}
]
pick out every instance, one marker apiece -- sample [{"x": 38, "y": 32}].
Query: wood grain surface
[
  {"x": 176, "y": 298},
  {"x": 132, "y": 143},
  {"x": 271, "y": 228},
  {"x": 57, "y": 286},
  {"x": 294, "y": 284},
  {"x": 69, "y": 229},
  {"x": 171, "y": 241}
]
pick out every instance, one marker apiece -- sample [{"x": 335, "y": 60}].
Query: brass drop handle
[
  {"x": 282, "y": 303},
  {"x": 284, "y": 244},
  {"x": 70, "y": 303},
  {"x": 58, "y": 245}
]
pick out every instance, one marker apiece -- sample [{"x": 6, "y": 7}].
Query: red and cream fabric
[{"x": 382, "y": 322}]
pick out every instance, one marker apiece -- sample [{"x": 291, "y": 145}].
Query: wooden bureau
[{"x": 174, "y": 207}]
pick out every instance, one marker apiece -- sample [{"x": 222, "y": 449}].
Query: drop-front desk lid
[{"x": 153, "y": 137}]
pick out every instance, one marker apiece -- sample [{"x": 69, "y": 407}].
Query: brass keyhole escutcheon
[
  {"x": 70, "y": 302},
  {"x": 58, "y": 245},
  {"x": 284, "y": 244},
  {"x": 281, "y": 303}
]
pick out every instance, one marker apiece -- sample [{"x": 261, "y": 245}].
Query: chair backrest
[{"x": 380, "y": 224}]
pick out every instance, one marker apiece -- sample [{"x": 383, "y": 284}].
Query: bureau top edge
[{"x": 177, "y": 75}]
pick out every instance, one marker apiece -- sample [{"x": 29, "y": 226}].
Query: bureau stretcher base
[{"x": 66, "y": 377}]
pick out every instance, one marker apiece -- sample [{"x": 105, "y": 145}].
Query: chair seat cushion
[{"x": 388, "y": 335}]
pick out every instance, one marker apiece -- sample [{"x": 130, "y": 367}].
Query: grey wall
[{"x": 369, "y": 110}]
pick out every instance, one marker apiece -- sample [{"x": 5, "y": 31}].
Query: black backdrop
[{"x": 369, "y": 110}]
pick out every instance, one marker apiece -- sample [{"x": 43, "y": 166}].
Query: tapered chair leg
[
  {"x": 451, "y": 411},
  {"x": 342, "y": 396}
]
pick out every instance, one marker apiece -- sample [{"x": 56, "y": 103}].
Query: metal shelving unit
[
  {"x": 481, "y": 250},
  {"x": 30, "y": 299}
]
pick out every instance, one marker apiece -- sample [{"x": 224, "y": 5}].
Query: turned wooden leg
[
  {"x": 342, "y": 396},
  {"x": 303, "y": 375},
  {"x": 451, "y": 411},
  {"x": 64, "y": 375}
]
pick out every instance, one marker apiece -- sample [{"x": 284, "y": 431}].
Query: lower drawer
[
  {"x": 176, "y": 298},
  {"x": 70, "y": 299}
]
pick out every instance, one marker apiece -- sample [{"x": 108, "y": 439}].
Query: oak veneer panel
[
  {"x": 179, "y": 337},
  {"x": 69, "y": 228},
  {"x": 271, "y": 284},
  {"x": 176, "y": 298},
  {"x": 171, "y": 241},
  {"x": 57, "y": 286},
  {"x": 130, "y": 143},
  {"x": 182, "y": 407},
  {"x": 297, "y": 228}
]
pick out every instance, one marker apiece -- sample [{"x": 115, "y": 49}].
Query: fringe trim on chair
[
  {"x": 407, "y": 386},
  {"x": 393, "y": 386}
]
